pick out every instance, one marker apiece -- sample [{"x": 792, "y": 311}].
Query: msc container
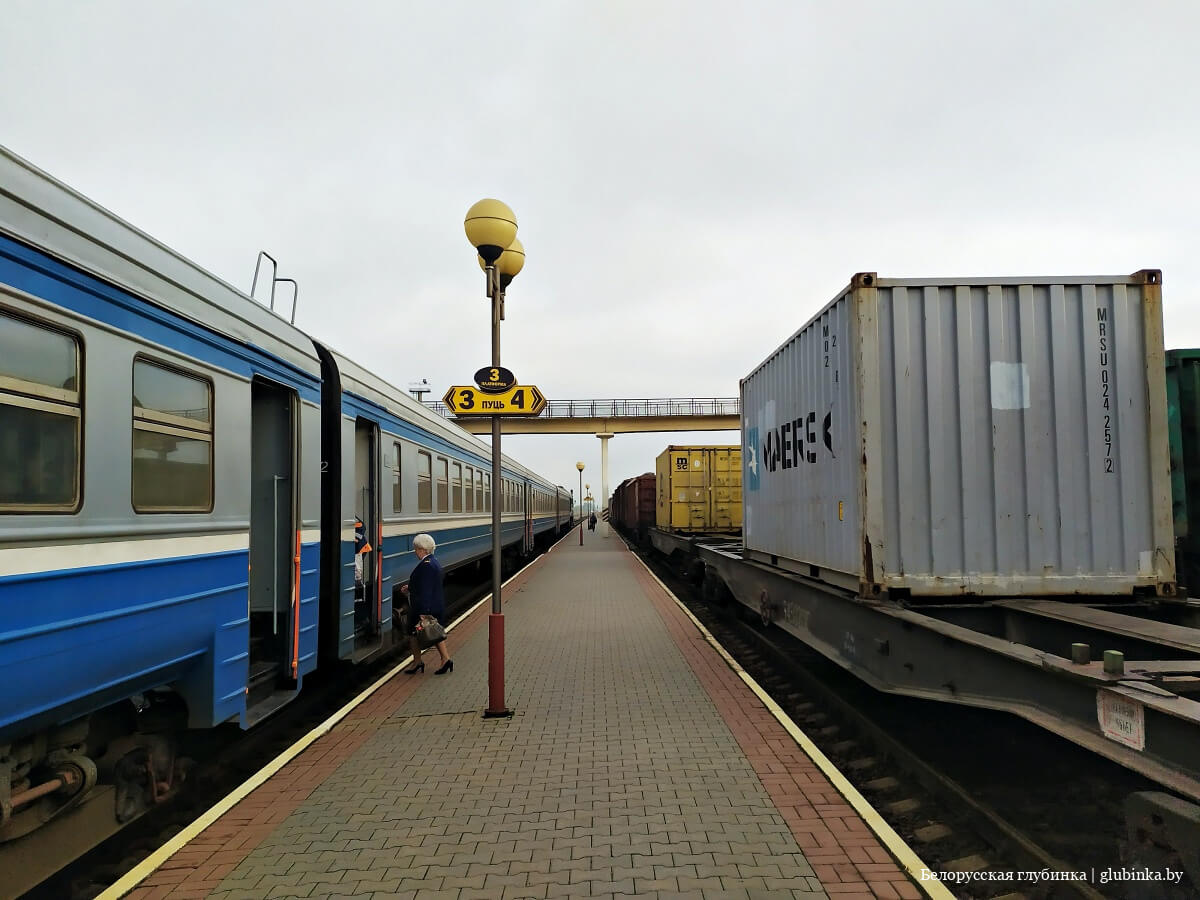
[
  {"x": 699, "y": 489},
  {"x": 999, "y": 437},
  {"x": 1183, "y": 421}
]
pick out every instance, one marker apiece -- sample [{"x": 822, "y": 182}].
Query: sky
[{"x": 692, "y": 181}]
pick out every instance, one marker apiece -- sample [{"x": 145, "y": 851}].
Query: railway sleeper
[
  {"x": 904, "y": 807},
  {"x": 928, "y": 834}
]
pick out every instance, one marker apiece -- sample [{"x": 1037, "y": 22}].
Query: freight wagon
[
  {"x": 962, "y": 490},
  {"x": 632, "y": 508},
  {"x": 698, "y": 494}
]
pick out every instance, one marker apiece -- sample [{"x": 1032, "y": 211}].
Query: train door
[
  {"x": 368, "y": 552},
  {"x": 273, "y": 503}
]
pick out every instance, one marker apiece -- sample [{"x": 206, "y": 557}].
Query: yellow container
[{"x": 699, "y": 489}]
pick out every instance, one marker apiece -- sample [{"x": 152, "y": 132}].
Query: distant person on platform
[
  {"x": 592, "y": 523},
  {"x": 426, "y": 598}
]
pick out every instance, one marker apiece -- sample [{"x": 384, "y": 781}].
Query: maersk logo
[{"x": 750, "y": 455}]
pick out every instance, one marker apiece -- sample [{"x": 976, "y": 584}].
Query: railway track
[
  {"x": 979, "y": 795},
  {"x": 223, "y": 759}
]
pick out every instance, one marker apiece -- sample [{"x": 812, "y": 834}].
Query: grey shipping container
[{"x": 992, "y": 437}]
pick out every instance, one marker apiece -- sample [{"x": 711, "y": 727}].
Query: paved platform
[{"x": 637, "y": 763}]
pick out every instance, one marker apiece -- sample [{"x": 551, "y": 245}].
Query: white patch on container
[
  {"x": 1121, "y": 719},
  {"x": 1146, "y": 562},
  {"x": 1010, "y": 386}
]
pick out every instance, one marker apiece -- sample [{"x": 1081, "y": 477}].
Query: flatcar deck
[{"x": 638, "y": 760}]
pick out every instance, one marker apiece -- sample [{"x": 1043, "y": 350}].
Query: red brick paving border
[
  {"x": 198, "y": 868},
  {"x": 842, "y": 850}
]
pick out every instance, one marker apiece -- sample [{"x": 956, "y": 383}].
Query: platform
[{"x": 638, "y": 762}]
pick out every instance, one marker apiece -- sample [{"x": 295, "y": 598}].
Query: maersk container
[
  {"x": 993, "y": 437},
  {"x": 1183, "y": 421},
  {"x": 699, "y": 489}
]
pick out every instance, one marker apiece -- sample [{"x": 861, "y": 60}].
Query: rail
[{"x": 612, "y": 409}]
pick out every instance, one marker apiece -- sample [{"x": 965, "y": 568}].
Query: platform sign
[
  {"x": 518, "y": 400},
  {"x": 495, "y": 379},
  {"x": 1121, "y": 718}
]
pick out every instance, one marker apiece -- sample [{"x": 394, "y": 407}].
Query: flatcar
[
  {"x": 181, "y": 471},
  {"x": 961, "y": 490}
]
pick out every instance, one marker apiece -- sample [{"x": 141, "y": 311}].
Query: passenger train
[{"x": 181, "y": 472}]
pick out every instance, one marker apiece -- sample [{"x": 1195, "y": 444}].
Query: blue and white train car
[
  {"x": 403, "y": 470},
  {"x": 148, "y": 537},
  {"x": 180, "y": 474}
]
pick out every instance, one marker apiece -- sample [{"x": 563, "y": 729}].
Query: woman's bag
[{"x": 430, "y": 630}]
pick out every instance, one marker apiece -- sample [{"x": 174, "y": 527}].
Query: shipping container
[
  {"x": 996, "y": 437},
  {"x": 1183, "y": 421},
  {"x": 699, "y": 489}
]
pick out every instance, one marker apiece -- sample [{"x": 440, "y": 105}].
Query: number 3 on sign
[{"x": 466, "y": 399}]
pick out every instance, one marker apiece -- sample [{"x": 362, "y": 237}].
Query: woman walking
[{"x": 425, "y": 598}]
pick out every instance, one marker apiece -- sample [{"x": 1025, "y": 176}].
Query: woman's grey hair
[{"x": 424, "y": 542}]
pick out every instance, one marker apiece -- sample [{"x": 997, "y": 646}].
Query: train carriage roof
[{"x": 41, "y": 211}]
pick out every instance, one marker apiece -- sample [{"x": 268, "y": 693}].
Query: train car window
[
  {"x": 443, "y": 484},
  {"x": 470, "y": 495},
  {"x": 487, "y": 492},
  {"x": 456, "y": 485},
  {"x": 424, "y": 482},
  {"x": 40, "y": 416},
  {"x": 172, "y": 440},
  {"x": 479, "y": 490},
  {"x": 397, "y": 495}
]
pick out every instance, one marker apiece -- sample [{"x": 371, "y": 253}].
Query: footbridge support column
[{"x": 604, "y": 436}]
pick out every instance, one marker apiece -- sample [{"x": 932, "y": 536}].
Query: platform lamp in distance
[
  {"x": 492, "y": 230},
  {"x": 579, "y": 466}
]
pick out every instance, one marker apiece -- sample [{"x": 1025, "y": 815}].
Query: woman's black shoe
[
  {"x": 419, "y": 667},
  {"x": 447, "y": 666}
]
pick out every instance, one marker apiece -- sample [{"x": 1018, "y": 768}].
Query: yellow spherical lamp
[{"x": 491, "y": 226}]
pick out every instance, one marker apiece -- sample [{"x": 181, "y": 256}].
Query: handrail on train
[{"x": 275, "y": 279}]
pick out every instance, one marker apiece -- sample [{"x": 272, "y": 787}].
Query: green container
[{"x": 1183, "y": 434}]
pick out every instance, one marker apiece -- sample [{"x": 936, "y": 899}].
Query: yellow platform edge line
[
  {"x": 896, "y": 845},
  {"x": 146, "y": 867}
]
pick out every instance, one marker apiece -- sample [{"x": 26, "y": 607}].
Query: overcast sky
[{"x": 692, "y": 180}]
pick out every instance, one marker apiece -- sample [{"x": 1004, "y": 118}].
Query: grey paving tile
[{"x": 615, "y": 777}]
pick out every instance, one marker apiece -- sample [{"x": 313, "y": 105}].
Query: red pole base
[{"x": 496, "y": 707}]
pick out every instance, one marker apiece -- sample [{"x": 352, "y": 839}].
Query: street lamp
[
  {"x": 492, "y": 230},
  {"x": 579, "y": 466},
  {"x": 588, "y": 488}
]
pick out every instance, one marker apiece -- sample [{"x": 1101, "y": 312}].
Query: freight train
[
  {"x": 183, "y": 475},
  {"x": 961, "y": 490}
]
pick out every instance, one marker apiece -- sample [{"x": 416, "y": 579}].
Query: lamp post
[
  {"x": 588, "y": 488},
  {"x": 492, "y": 230},
  {"x": 579, "y": 466}
]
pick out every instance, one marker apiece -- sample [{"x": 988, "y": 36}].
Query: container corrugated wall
[
  {"x": 997, "y": 437},
  {"x": 699, "y": 489}
]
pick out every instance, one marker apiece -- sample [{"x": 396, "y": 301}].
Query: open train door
[
  {"x": 368, "y": 549},
  {"x": 274, "y": 582}
]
